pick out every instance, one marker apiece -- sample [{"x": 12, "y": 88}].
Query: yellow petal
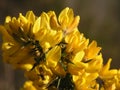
[
  {"x": 30, "y": 16},
  {"x": 63, "y": 18},
  {"x": 26, "y": 66},
  {"x": 78, "y": 57},
  {"x": 58, "y": 37},
  {"x": 53, "y": 20},
  {"x": 74, "y": 69},
  {"x": 40, "y": 35},
  {"x": 45, "y": 21},
  {"x": 73, "y": 25},
  {"x": 36, "y": 26},
  {"x": 7, "y": 19},
  {"x": 5, "y": 35},
  {"x": 78, "y": 81},
  {"x": 53, "y": 56},
  {"x": 91, "y": 77},
  {"x": 22, "y": 18},
  {"x": 59, "y": 70}
]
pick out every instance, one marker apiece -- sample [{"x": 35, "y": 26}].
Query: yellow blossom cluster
[{"x": 54, "y": 54}]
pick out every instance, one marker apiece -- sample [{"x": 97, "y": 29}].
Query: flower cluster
[{"x": 54, "y": 54}]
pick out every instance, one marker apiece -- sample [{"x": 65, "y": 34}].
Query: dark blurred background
[{"x": 100, "y": 21}]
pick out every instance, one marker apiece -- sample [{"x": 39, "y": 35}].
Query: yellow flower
[
  {"x": 110, "y": 77},
  {"x": 105, "y": 73},
  {"x": 53, "y": 58},
  {"x": 77, "y": 66},
  {"x": 67, "y": 20},
  {"x": 28, "y": 85},
  {"x": 92, "y": 50},
  {"x": 16, "y": 38},
  {"x": 95, "y": 64},
  {"x": 76, "y": 42},
  {"x": 51, "y": 38},
  {"x": 45, "y": 34},
  {"x": 85, "y": 81},
  {"x": 14, "y": 53},
  {"x": 41, "y": 76}
]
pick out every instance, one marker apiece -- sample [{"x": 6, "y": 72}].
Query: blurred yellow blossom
[
  {"x": 54, "y": 54},
  {"x": 41, "y": 75},
  {"x": 28, "y": 86}
]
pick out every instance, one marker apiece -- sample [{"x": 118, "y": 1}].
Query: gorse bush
[{"x": 54, "y": 54}]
